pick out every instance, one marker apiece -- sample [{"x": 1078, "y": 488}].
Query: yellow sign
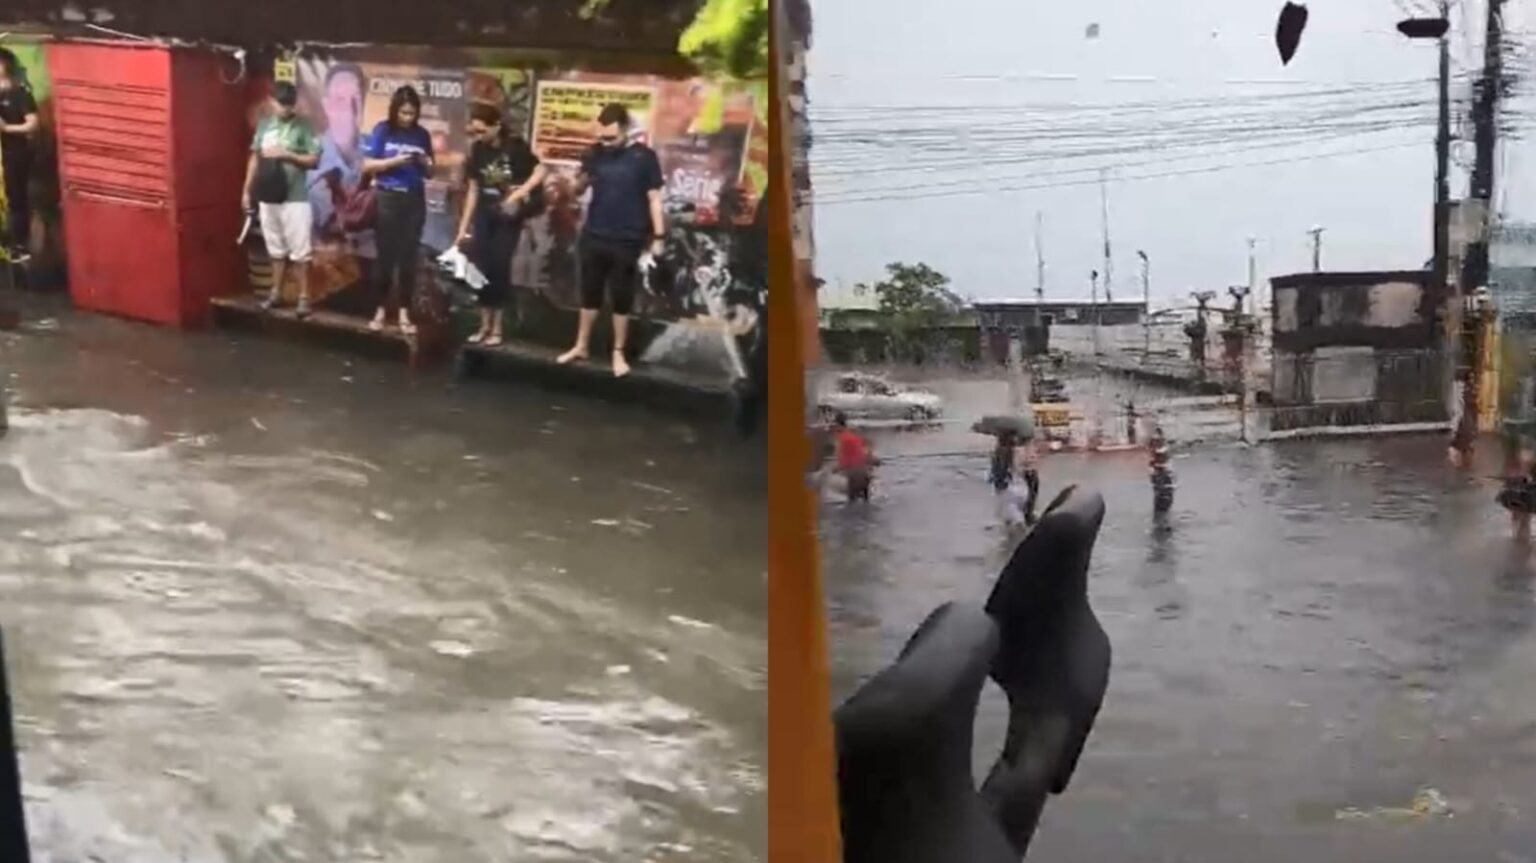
[
  {"x": 284, "y": 70},
  {"x": 565, "y": 115},
  {"x": 1052, "y": 416}
]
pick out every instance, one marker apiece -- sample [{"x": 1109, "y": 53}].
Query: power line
[
  {"x": 941, "y": 185},
  {"x": 834, "y": 200}
]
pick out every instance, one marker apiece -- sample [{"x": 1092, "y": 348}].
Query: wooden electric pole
[
  {"x": 1109, "y": 265},
  {"x": 1474, "y": 273},
  {"x": 1039, "y": 258}
]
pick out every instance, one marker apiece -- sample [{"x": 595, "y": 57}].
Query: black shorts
[
  {"x": 858, "y": 485},
  {"x": 610, "y": 267}
]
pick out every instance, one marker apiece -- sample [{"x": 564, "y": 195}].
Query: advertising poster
[
  {"x": 344, "y": 100},
  {"x": 714, "y": 160},
  {"x": 709, "y": 136},
  {"x": 565, "y": 119}
]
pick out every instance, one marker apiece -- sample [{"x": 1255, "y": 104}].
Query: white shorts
[{"x": 286, "y": 229}]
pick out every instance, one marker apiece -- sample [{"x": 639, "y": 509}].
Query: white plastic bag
[{"x": 457, "y": 264}]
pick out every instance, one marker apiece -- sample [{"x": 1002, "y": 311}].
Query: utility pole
[
  {"x": 1094, "y": 310},
  {"x": 1039, "y": 258},
  {"x": 1317, "y": 249},
  {"x": 1109, "y": 266},
  {"x": 1442, "y": 225},
  {"x": 1474, "y": 274},
  {"x": 1253, "y": 272},
  {"x": 1146, "y": 303}
]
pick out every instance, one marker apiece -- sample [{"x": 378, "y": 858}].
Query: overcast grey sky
[{"x": 915, "y": 102}]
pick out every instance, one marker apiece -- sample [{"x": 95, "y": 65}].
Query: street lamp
[{"x": 1437, "y": 28}]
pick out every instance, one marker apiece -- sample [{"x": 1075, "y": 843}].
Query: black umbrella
[
  {"x": 1293, "y": 19},
  {"x": 1021, "y": 425}
]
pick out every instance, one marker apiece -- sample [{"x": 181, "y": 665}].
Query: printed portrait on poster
[
  {"x": 710, "y": 137},
  {"x": 344, "y": 99}
]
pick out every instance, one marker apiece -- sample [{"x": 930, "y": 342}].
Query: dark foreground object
[
  {"x": 13, "y": 821},
  {"x": 904, "y": 739}
]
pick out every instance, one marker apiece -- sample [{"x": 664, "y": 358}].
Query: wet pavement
[
  {"x": 267, "y": 603},
  {"x": 1322, "y": 636}
]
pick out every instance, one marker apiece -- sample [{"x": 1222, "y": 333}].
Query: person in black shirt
[
  {"x": 624, "y": 221},
  {"x": 18, "y": 125},
  {"x": 504, "y": 180}
]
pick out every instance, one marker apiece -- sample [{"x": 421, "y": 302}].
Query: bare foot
[
  {"x": 406, "y": 327},
  {"x": 620, "y": 365},
  {"x": 477, "y": 338},
  {"x": 494, "y": 340},
  {"x": 574, "y": 355}
]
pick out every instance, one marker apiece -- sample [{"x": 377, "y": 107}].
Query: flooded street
[
  {"x": 266, "y": 603},
  {"x": 1326, "y": 652}
]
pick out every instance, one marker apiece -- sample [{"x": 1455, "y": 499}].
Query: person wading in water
[
  {"x": 855, "y": 459},
  {"x": 1011, "y": 457},
  {"x": 1519, "y": 497}
]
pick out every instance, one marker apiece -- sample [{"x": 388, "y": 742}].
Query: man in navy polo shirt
[{"x": 624, "y": 219}]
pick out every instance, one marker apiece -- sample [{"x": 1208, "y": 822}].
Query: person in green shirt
[{"x": 284, "y": 142}]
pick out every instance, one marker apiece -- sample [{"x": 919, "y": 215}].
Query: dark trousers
[
  {"x": 397, "y": 233},
  {"x": 18, "y": 177},
  {"x": 610, "y": 267},
  {"x": 495, "y": 242},
  {"x": 1031, "y": 482}
]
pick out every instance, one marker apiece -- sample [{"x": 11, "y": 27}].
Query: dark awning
[{"x": 629, "y": 26}]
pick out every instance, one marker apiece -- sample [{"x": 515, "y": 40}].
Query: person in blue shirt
[
  {"x": 624, "y": 222},
  {"x": 399, "y": 161}
]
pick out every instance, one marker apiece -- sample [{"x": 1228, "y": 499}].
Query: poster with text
[
  {"x": 344, "y": 99},
  {"x": 565, "y": 115}
]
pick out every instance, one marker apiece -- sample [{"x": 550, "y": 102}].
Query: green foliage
[
  {"x": 730, "y": 38},
  {"x": 913, "y": 299},
  {"x": 914, "y": 295}
]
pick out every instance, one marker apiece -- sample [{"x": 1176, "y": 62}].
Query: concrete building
[
  {"x": 1353, "y": 351},
  {"x": 1033, "y": 318}
]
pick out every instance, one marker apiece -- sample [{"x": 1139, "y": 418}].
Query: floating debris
[
  {"x": 453, "y": 648},
  {"x": 1427, "y": 803},
  {"x": 690, "y": 622}
]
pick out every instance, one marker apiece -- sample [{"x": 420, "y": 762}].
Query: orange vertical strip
[{"x": 802, "y": 795}]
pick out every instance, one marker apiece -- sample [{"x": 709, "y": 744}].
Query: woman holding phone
[
  {"x": 399, "y": 161},
  {"x": 503, "y": 179}
]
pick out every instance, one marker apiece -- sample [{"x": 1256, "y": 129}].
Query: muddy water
[
  {"x": 265, "y": 603},
  {"x": 1320, "y": 633}
]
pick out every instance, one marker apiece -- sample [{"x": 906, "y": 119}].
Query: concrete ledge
[
  {"x": 321, "y": 329},
  {"x": 662, "y": 388},
  {"x": 667, "y": 389}
]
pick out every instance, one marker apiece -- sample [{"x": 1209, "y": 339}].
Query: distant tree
[
  {"x": 913, "y": 295},
  {"x": 912, "y": 298}
]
